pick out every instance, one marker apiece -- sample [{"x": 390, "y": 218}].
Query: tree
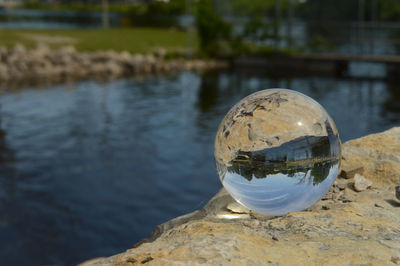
[
  {"x": 105, "y": 17},
  {"x": 212, "y": 29}
]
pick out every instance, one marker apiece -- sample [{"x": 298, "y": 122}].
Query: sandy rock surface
[
  {"x": 377, "y": 154},
  {"x": 344, "y": 228}
]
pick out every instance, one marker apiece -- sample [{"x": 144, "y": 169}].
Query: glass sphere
[{"x": 277, "y": 151}]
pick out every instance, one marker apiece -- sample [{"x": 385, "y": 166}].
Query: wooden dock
[
  {"x": 392, "y": 59},
  {"x": 315, "y": 64}
]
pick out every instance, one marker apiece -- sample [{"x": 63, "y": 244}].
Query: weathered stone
[
  {"x": 350, "y": 172},
  {"x": 348, "y": 196},
  {"x": 160, "y": 53},
  {"x": 395, "y": 260},
  {"x": 341, "y": 186},
  {"x": 327, "y": 233},
  {"x": 397, "y": 192},
  {"x": 361, "y": 183},
  {"x": 19, "y": 49},
  {"x": 3, "y": 72},
  {"x": 42, "y": 62},
  {"x": 378, "y": 154},
  {"x": 3, "y": 53},
  {"x": 67, "y": 50}
]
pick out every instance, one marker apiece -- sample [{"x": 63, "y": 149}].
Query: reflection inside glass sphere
[{"x": 277, "y": 151}]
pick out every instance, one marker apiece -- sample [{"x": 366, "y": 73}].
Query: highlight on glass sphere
[{"x": 277, "y": 151}]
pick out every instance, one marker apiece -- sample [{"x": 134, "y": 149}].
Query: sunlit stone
[{"x": 277, "y": 151}]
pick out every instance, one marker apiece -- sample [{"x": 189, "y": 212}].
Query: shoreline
[{"x": 19, "y": 64}]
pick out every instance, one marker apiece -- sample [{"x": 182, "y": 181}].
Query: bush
[{"x": 214, "y": 33}]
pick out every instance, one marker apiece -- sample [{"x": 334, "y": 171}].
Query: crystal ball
[{"x": 277, "y": 151}]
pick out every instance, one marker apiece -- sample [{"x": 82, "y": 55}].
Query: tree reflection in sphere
[{"x": 277, "y": 151}]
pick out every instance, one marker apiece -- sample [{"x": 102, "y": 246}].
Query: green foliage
[
  {"x": 173, "y": 7},
  {"x": 319, "y": 44},
  {"x": 348, "y": 10},
  {"x": 216, "y": 37},
  {"x": 68, "y": 7},
  {"x": 329, "y": 10},
  {"x": 257, "y": 29},
  {"x": 253, "y": 8},
  {"x": 389, "y": 9},
  {"x": 214, "y": 33}
]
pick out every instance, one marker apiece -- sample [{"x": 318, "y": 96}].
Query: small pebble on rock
[
  {"x": 361, "y": 183},
  {"x": 395, "y": 260}
]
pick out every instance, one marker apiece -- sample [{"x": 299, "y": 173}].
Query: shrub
[{"x": 214, "y": 33}]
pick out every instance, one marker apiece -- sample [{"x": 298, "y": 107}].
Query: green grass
[
  {"x": 134, "y": 40},
  {"x": 173, "y": 7}
]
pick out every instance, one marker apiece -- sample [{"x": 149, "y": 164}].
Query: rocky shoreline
[
  {"x": 43, "y": 63},
  {"x": 356, "y": 223}
]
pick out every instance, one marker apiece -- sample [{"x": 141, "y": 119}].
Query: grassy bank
[
  {"x": 134, "y": 40},
  {"x": 173, "y": 7}
]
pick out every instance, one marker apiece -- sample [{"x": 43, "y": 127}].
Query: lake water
[
  {"x": 51, "y": 19},
  {"x": 88, "y": 169}
]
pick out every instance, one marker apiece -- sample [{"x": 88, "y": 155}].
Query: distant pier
[{"x": 317, "y": 64}]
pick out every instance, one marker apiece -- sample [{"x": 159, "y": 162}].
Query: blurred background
[{"x": 89, "y": 166}]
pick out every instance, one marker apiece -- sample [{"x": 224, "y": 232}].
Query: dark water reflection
[{"x": 89, "y": 169}]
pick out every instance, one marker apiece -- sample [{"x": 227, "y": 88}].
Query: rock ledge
[
  {"x": 42, "y": 62},
  {"x": 345, "y": 227}
]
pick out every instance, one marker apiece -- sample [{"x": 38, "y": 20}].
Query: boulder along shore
[
  {"x": 357, "y": 222},
  {"x": 19, "y": 63}
]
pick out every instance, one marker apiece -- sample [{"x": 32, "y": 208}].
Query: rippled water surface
[{"x": 88, "y": 169}]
